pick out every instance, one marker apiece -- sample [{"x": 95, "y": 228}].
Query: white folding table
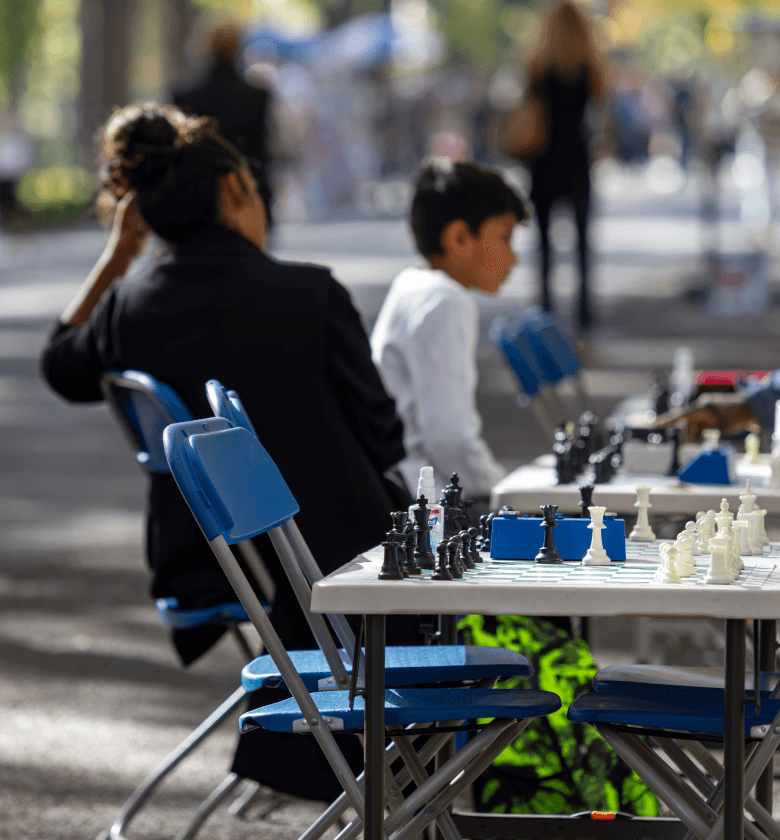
[
  {"x": 533, "y": 485},
  {"x": 623, "y": 589}
]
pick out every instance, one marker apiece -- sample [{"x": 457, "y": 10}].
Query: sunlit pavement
[{"x": 91, "y": 696}]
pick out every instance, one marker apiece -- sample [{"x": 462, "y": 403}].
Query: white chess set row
[{"x": 723, "y": 538}]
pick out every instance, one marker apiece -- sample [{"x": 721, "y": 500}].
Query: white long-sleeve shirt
[{"x": 424, "y": 343}]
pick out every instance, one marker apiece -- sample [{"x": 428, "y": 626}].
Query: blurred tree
[{"x": 17, "y": 24}]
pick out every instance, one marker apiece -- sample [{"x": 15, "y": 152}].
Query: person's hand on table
[{"x": 726, "y": 412}]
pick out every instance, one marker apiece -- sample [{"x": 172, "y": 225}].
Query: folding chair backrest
[
  {"x": 143, "y": 406},
  {"x": 229, "y": 481},
  {"x": 519, "y": 354},
  {"x": 227, "y": 404},
  {"x": 552, "y": 349}
]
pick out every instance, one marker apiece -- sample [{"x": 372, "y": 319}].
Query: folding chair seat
[
  {"x": 678, "y": 720},
  {"x": 236, "y": 492},
  {"x": 660, "y": 679},
  {"x": 142, "y": 407},
  {"x": 404, "y": 665}
]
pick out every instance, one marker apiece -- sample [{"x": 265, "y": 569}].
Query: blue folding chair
[
  {"x": 541, "y": 356},
  {"x": 678, "y": 710},
  {"x": 404, "y": 665},
  {"x": 236, "y": 492},
  {"x": 143, "y": 406}
]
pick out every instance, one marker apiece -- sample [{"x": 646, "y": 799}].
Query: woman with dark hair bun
[{"x": 285, "y": 336}]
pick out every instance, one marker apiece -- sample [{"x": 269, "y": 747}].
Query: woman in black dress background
[{"x": 565, "y": 77}]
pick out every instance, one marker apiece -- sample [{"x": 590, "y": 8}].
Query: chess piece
[
  {"x": 391, "y": 568},
  {"x": 488, "y": 532},
  {"x": 465, "y": 550},
  {"x": 668, "y": 571},
  {"x": 442, "y": 572},
  {"x": 718, "y": 572},
  {"x": 693, "y": 543},
  {"x": 706, "y": 532},
  {"x": 453, "y": 564},
  {"x": 674, "y": 467},
  {"x": 752, "y": 449},
  {"x": 596, "y": 555},
  {"x": 586, "y": 500},
  {"x": 642, "y": 532},
  {"x": 423, "y": 555},
  {"x": 411, "y": 543},
  {"x": 548, "y": 553},
  {"x": 739, "y": 528},
  {"x": 475, "y": 555},
  {"x": 774, "y": 465},
  {"x": 685, "y": 563},
  {"x": 482, "y": 532},
  {"x": 753, "y": 520},
  {"x": 762, "y": 535}
]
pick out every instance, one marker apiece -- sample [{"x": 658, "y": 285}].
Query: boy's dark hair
[{"x": 446, "y": 191}]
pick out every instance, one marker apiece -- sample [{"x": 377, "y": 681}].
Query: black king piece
[{"x": 548, "y": 553}]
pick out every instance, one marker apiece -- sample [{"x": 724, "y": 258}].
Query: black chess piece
[
  {"x": 423, "y": 555},
  {"x": 391, "y": 568},
  {"x": 411, "y": 543},
  {"x": 548, "y": 553},
  {"x": 442, "y": 572},
  {"x": 488, "y": 529},
  {"x": 675, "y": 435},
  {"x": 586, "y": 500},
  {"x": 452, "y": 559},
  {"x": 475, "y": 555},
  {"x": 465, "y": 550}
]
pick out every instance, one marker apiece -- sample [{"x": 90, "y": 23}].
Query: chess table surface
[
  {"x": 520, "y": 587},
  {"x": 534, "y": 484}
]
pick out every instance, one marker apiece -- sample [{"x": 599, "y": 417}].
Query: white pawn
[
  {"x": 692, "y": 528},
  {"x": 642, "y": 532},
  {"x": 740, "y": 528},
  {"x": 718, "y": 572},
  {"x": 685, "y": 563},
  {"x": 739, "y": 531},
  {"x": 711, "y": 438},
  {"x": 668, "y": 571},
  {"x": 596, "y": 555}
]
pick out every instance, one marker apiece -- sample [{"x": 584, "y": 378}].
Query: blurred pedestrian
[
  {"x": 243, "y": 111},
  {"x": 564, "y": 77}
]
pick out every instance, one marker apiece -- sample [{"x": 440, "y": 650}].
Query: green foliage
[
  {"x": 17, "y": 22},
  {"x": 474, "y": 32}
]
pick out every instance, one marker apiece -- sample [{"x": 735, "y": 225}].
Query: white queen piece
[{"x": 596, "y": 555}]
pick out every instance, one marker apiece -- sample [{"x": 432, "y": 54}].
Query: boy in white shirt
[{"x": 424, "y": 341}]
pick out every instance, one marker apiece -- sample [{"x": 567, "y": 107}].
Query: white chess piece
[
  {"x": 711, "y": 438},
  {"x": 706, "y": 532},
  {"x": 739, "y": 530},
  {"x": 762, "y": 527},
  {"x": 692, "y": 528},
  {"x": 668, "y": 571},
  {"x": 740, "y": 527},
  {"x": 774, "y": 464},
  {"x": 718, "y": 572},
  {"x": 685, "y": 563},
  {"x": 749, "y": 544},
  {"x": 752, "y": 449},
  {"x": 642, "y": 532},
  {"x": 754, "y": 532},
  {"x": 596, "y": 555}
]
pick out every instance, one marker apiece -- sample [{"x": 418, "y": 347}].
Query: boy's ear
[
  {"x": 232, "y": 190},
  {"x": 457, "y": 238}
]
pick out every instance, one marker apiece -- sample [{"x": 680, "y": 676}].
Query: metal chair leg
[
  {"x": 244, "y": 799},
  {"x": 144, "y": 790},
  {"x": 212, "y": 801}
]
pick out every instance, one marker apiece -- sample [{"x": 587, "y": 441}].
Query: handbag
[{"x": 522, "y": 132}]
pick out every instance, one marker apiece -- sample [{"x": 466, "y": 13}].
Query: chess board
[{"x": 528, "y": 588}]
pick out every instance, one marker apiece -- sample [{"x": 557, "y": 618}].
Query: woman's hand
[{"x": 128, "y": 230}]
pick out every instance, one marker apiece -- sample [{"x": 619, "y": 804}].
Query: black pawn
[
  {"x": 488, "y": 530},
  {"x": 452, "y": 559},
  {"x": 400, "y": 550},
  {"x": 391, "y": 568},
  {"x": 442, "y": 572},
  {"x": 586, "y": 500},
  {"x": 548, "y": 553},
  {"x": 423, "y": 555},
  {"x": 475, "y": 555},
  {"x": 411, "y": 543},
  {"x": 674, "y": 467},
  {"x": 465, "y": 550}
]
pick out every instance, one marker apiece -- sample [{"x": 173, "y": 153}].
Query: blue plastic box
[{"x": 516, "y": 537}]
